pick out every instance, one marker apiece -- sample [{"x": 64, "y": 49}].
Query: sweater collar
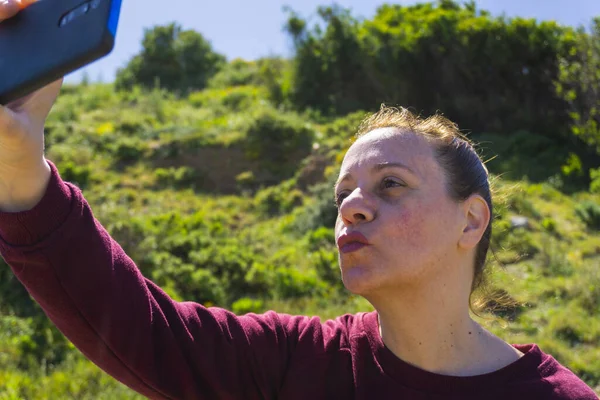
[{"x": 420, "y": 379}]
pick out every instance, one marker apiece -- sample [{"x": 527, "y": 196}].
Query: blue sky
[{"x": 252, "y": 29}]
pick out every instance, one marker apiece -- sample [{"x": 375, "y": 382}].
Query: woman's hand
[{"x": 24, "y": 172}]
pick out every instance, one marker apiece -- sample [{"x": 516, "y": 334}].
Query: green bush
[
  {"x": 522, "y": 205},
  {"x": 321, "y": 238},
  {"x": 171, "y": 58},
  {"x": 589, "y": 213},
  {"x": 319, "y": 212},
  {"x": 246, "y": 181},
  {"x": 231, "y": 263},
  {"x": 326, "y": 265},
  {"x": 291, "y": 283},
  {"x": 175, "y": 177},
  {"x": 246, "y": 305},
  {"x": 235, "y": 73},
  {"x": 510, "y": 155},
  {"x": 549, "y": 225},
  {"x": 595, "y": 180},
  {"x": 278, "y": 199},
  {"x": 571, "y": 324},
  {"x": 279, "y": 141},
  {"x": 432, "y": 56},
  {"x": 522, "y": 243},
  {"x": 579, "y": 87},
  {"x": 587, "y": 287},
  {"x": 267, "y": 73},
  {"x": 77, "y": 174},
  {"x": 553, "y": 259},
  {"x": 129, "y": 149},
  {"x": 231, "y": 99}
]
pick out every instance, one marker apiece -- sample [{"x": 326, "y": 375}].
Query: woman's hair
[{"x": 465, "y": 172}]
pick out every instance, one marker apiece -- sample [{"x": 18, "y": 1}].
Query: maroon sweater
[{"x": 125, "y": 324}]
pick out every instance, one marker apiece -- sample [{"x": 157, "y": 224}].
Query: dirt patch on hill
[{"x": 218, "y": 167}]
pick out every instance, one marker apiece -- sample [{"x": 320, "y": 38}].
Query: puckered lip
[{"x": 351, "y": 237}]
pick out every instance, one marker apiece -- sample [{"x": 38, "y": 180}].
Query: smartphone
[{"x": 52, "y": 38}]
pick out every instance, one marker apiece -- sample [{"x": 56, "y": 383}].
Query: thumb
[
  {"x": 38, "y": 104},
  {"x": 29, "y": 112},
  {"x": 8, "y": 121}
]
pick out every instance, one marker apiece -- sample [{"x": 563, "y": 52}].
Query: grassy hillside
[{"x": 223, "y": 199}]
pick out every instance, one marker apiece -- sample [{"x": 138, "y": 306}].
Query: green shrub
[
  {"x": 236, "y": 100},
  {"x": 235, "y": 73},
  {"x": 521, "y": 204},
  {"x": 202, "y": 286},
  {"x": 231, "y": 263},
  {"x": 44, "y": 345},
  {"x": 595, "y": 180},
  {"x": 278, "y": 141},
  {"x": 128, "y": 149},
  {"x": 197, "y": 99},
  {"x": 246, "y": 181},
  {"x": 77, "y": 378},
  {"x": 320, "y": 212},
  {"x": 589, "y": 213},
  {"x": 522, "y": 243},
  {"x": 587, "y": 287},
  {"x": 175, "y": 177},
  {"x": 278, "y": 199},
  {"x": 173, "y": 59},
  {"x": 500, "y": 231},
  {"x": 225, "y": 100},
  {"x": 402, "y": 56},
  {"x": 190, "y": 282},
  {"x": 549, "y": 224},
  {"x": 323, "y": 237},
  {"x": 289, "y": 282},
  {"x": 324, "y": 257},
  {"x": 326, "y": 265},
  {"x": 554, "y": 260},
  {"x": 267, "y": 73},
  {"x": 545, "y": 192},
  {"x": 246, "y": 305},
  {"x": 571, "y": 324},
  {"x": 77, "y": 174}
]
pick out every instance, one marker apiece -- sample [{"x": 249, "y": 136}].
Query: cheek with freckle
[{"x": 409, "y": 227}]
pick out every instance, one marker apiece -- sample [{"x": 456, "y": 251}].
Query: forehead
[{"x": 390, "y": 145}]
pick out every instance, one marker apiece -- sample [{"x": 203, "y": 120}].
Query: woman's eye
[
  {"x": 339, "y": 198},
  {"x": 390, "y": 183}
]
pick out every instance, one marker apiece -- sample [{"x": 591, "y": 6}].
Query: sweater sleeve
[{"x": 94, "y": 293}]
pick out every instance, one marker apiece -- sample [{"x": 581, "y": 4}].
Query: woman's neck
[{"x": 434, "y": 331}]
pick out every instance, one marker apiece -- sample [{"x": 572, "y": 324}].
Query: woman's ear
[{"x": 477, "y": 216}]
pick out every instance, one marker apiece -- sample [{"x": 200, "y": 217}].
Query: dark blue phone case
[{"x": 52, "y": 38}]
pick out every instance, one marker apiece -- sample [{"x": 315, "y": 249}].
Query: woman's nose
[{"x": 356, "y": 209}]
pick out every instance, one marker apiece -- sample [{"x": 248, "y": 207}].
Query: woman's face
[{"x": 392, "y": 191}]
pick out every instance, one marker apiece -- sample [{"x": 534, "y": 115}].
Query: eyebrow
[{"x": 377, "y": 168}]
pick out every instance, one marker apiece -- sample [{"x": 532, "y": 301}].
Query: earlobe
[{"x": 477, "y": 217}]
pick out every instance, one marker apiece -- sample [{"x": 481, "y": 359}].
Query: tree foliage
[
  {"x": 171, "y": 58},
  {"x": 487, "y": 74},
  {"x": 579, "y": 85}
]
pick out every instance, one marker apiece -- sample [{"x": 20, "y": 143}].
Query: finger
[
  {"x": 39, "y": 101},
  {"x": 25, "y": 3},
  {"x": 38, "y": 106},
  {"x": 8, "y": 121},
  {"x": 8, "y": 8}
]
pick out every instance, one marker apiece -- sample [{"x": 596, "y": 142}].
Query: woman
[{"x": 413, "y": 230}]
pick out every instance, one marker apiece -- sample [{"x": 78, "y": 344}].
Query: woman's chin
[{"x": 359, "y": 281}]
